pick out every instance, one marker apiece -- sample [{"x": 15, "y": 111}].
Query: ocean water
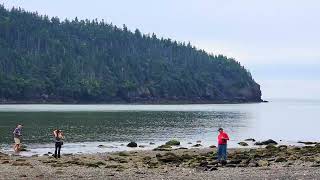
[{"x": 87, "y": 126}]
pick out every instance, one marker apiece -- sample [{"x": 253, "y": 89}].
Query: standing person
[
  {"x": 222, "y": 146},
  {"x": 17, "y": 138},
  {"x": 58, "y": 139}
]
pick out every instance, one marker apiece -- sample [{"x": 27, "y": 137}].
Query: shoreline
[
  {"x": 269, "y": 162},
  {"x": 134, "y": 102}
]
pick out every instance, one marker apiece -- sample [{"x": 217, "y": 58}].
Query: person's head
[
  {"x": 220, "y": 130},
  {"x": 19, "y": 126},
  {"x": 57, "y": 131}
]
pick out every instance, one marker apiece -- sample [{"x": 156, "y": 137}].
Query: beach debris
[
  {"x": 243, "y": 144},
  {"x": 132, "y": 144}
]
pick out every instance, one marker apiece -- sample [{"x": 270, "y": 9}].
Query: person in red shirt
[{"x": 222, "y": 146}]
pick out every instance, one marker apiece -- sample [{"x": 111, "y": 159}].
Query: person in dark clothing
[{"x": 58, "y": 139}]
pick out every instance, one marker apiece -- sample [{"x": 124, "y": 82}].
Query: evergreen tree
[{"x": 48, "y": 60}]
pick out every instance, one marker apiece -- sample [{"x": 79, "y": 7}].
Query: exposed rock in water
[
  {"x": 267, "y": 142},
  {"x": 307, "y": 142},
  {"x": 250, "y": 139},
  {"x": 173, "y": 142},
  {"x": 243, "y": 144},
  {"x": 132, "y": 144},
  {"x": 212, "y": 146}
]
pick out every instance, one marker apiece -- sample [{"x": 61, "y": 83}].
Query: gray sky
[{"x": 278, "y": 41}]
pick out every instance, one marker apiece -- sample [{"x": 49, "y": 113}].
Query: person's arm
[
  {"x": 226, "y": 137},
  {"x": 55, "y": 133}
]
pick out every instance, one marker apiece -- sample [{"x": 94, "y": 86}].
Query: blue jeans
[{"x": 222, "y": 152}]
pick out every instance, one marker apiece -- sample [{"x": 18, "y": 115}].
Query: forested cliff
[{"x": 88, "y": 61}]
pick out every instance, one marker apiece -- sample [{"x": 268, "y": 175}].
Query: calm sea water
[{"x": 87, "y": 126}]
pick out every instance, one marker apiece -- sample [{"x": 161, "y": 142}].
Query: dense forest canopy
[{"x": 45, "y": 59}]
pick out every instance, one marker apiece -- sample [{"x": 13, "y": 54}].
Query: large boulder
[
  {"x": 173, "y": 143},
  {"x": 132, "y": 144}
]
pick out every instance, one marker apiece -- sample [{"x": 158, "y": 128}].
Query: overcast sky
[{"x": 277, "y": 40}]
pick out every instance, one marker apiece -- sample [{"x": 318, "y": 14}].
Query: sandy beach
[{"x": 270, "y": 162}]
